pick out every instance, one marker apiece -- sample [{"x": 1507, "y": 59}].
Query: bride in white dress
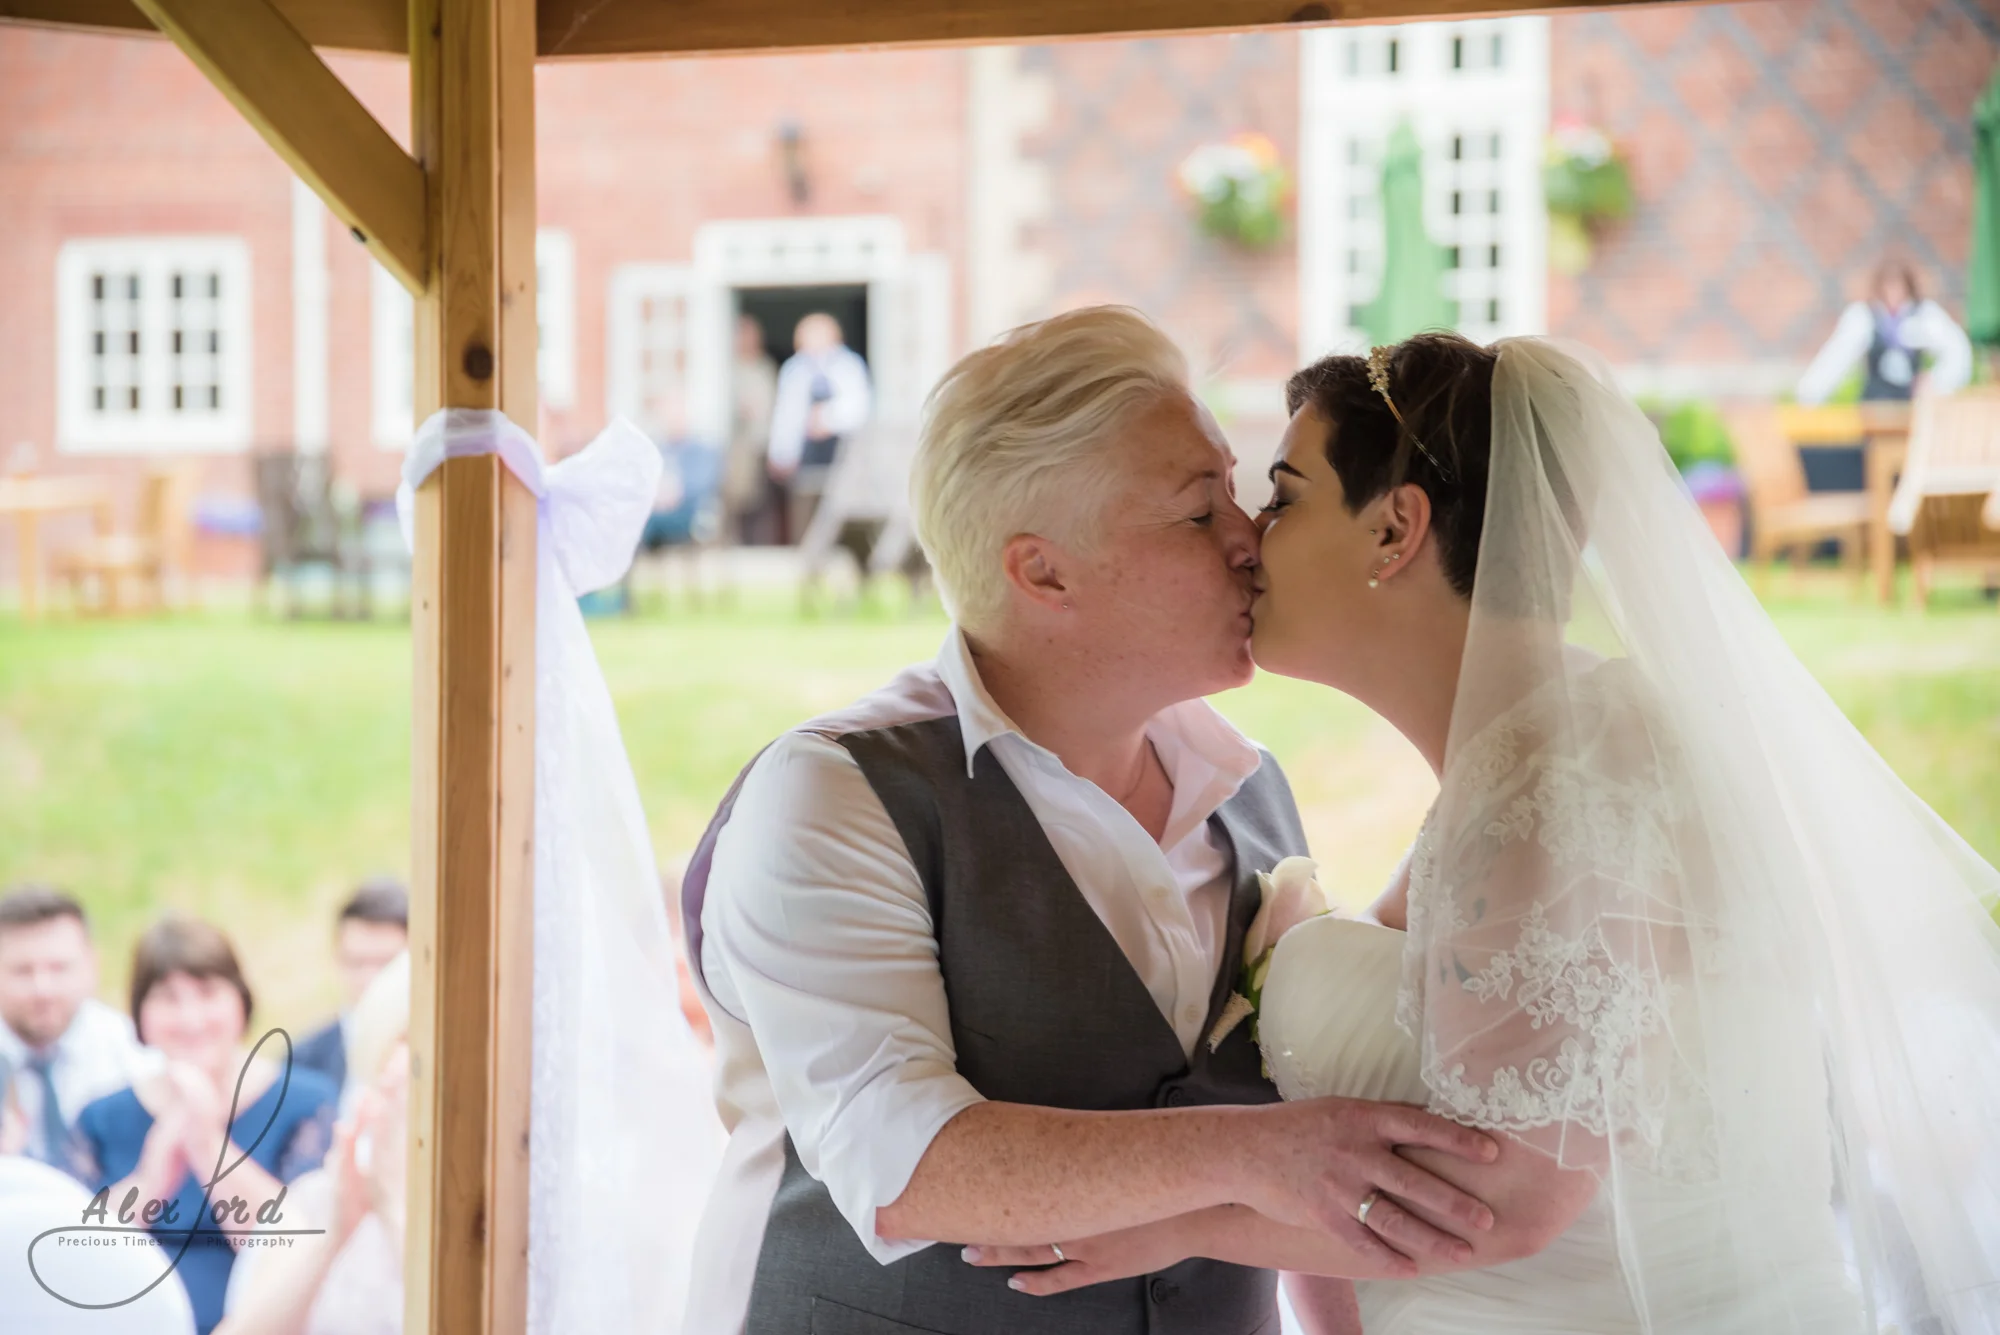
[{"x": 1671, "y": 922}]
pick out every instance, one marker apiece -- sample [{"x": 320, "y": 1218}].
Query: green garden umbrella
[
  {"x": 1412, "y": 296},
  {"x": 1982, "y": 284}
]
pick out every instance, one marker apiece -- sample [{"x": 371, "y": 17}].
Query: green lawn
[{"x": 252, "y": 770}]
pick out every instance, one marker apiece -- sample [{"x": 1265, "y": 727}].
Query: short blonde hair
[{"x": 1012, "y": 442}]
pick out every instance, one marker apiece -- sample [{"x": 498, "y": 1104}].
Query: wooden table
[
  {"x": 1883, "y": 432},
  {"x": 26, "y": 500}
]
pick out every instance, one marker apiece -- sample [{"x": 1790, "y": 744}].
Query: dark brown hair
[
  {"x": 33, "y": 904},
  {"x": 1443, "y": 386},
  {"x": 379, "y": 899},
  {"x": 189, "y": 946},
  {"x": 1900, "y": 271}
]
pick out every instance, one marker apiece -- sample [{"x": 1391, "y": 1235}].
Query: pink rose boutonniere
[{"x": 1292, "y": 894}]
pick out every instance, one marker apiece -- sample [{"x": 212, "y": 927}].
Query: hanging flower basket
[
  {"x": 1587, "y": 186},
  {"x": 1239, "y": 189}
]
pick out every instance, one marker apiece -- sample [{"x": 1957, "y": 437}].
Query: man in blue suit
[{"x": 373, "y": 928}]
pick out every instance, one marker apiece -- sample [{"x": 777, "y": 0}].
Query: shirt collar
[
  {"x": 980, "y": 720},
  {"x": 1191, "y": 729},
  {"x": 17, "y": 1047}
]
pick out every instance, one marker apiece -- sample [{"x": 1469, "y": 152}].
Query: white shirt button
[{"x": 1190, "y": 1014}]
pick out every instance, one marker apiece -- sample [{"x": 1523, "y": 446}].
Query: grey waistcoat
[{"x": 1047, "y": 1010}]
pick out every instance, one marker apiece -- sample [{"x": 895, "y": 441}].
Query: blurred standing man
[
  {"x": 823, "y": 396},
  {"x": 753, "y": 386},
  {"x": 373, "y": 928},
  {"x": 61, "y": 1047}
]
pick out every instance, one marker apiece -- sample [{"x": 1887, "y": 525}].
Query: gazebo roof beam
[
  {"x": 576, "y": 29},
  {"x": 342, "y": 25},
  {"x": 569, "y": 29},
  {"x": 274, "y": 78}
]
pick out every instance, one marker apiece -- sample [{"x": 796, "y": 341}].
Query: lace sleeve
[{"x": 1549, "y": 937}]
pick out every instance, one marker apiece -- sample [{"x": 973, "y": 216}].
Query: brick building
[{"x": 170, "y": 289}]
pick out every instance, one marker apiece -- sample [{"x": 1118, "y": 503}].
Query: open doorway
[
  {"x": 778, "y": 310},
  {"x": 788, "y": 503}
]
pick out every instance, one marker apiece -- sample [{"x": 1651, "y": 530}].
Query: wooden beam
[
  {"x": 571, "y": 29},
  {"x": 343, "y": 25},
  {"x": 471, "y": 1032},
  {"x": 262, "y": 65},
  {"x": 582, "y": 28}
]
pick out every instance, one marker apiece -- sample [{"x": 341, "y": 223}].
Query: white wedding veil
[{"x": 1686, "y": 929}]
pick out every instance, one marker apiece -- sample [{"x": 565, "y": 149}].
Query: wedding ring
[
  {"x": 1367, "y": 1204},
  {"x": 1060, "y": 1258}
]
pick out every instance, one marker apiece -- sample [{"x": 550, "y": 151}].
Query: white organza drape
[{"x": 624, "y": 1139}]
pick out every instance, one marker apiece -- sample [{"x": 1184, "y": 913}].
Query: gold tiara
[{"x": 1378, "y": 376}]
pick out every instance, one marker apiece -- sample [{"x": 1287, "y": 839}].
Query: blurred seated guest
[
  {"x": 753, "y": 389},
  {"x": 348, "y": 1280},
  {"x": 60, "y": 1047},
  {"x": 35, "y": 1198},
  {"x": 1904, "y": 343},
  {"x": 687, "y": 504},
  {"x": 171, "y": 1132},
  {"x": 372, "y": 929},
  {"x": 823, "y": 396}
]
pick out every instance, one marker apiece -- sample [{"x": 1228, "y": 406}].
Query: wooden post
[{"x": 472, "y": 980}]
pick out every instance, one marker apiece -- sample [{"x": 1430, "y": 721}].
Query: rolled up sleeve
[
  {"x": 1950, "y": 349},
  {"x": 819, "y": 937},
  {"x": 1847, "y": 345}
]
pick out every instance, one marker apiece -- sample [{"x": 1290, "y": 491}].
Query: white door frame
[
  {"x": 910, "y": 332},
  {"x": 788, "y": 252}
]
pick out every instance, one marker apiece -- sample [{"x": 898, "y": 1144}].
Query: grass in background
[{"x": 251, "y": 771}]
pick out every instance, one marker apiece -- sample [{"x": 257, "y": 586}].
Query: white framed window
[
  {"x": 392, "y": 339},
  {"x": 1476, "y": 94},
  {"x": 555, "y": 316},
  {"x": 153, "y": 344},
  {"x": 653, "y": 317}
]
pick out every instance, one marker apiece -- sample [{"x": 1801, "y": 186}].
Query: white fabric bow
[
  {"x": 624, "y": 1139},
  {"x": 593, "y": 504}
]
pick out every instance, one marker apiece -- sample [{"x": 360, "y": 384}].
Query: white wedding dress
[
  {"x": 1344, "y": 996},
  {"x": 1674, "y": 923},
  {"x": 1329, "y": 1028}
]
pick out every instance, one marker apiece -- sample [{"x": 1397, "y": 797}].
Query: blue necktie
[{"x": 55, "y": 1131}]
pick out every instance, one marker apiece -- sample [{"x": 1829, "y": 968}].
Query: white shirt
[
  {"x": 1929, "y": 328},
  {"x": 846, "y": 412},
  {"x": 821, "y": 964},
  {"x": 97, "y": 1055},
  {"x": 34, "y": 1199}
]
